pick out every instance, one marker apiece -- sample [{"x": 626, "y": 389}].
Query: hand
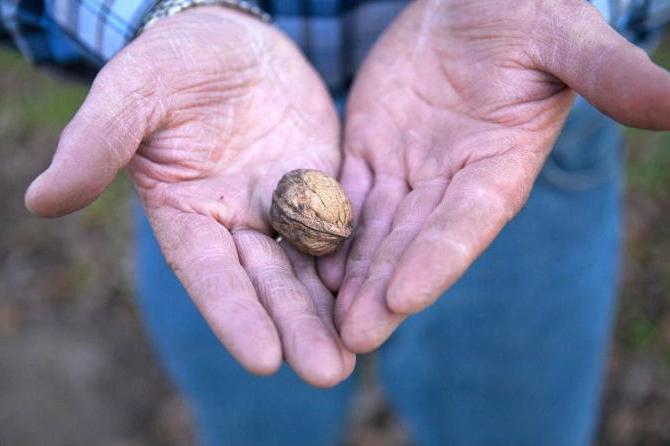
[
  {"x": 208, "y": 109},
  {"x": 448, "y": 124}
]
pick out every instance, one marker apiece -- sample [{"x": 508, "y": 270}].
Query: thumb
[
  {"x": 597, "y": 62},
  {"x": 98, "y": 142}
]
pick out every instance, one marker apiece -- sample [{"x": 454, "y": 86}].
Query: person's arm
[
  {"x": 208, "y": 109},
  {"x": 448, "y": 124}
]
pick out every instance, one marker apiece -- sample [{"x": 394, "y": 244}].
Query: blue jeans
[{"x": 513, "y": 354}]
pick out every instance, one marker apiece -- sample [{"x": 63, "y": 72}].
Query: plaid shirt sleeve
[
  {"x": 63, "y": 32},
  {"x": 76, "y": 32}
]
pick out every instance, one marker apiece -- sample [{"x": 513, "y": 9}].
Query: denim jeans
[{"x": 513, "y": 354}]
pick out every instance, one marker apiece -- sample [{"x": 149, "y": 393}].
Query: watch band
[{"x": 167, "y": 8}]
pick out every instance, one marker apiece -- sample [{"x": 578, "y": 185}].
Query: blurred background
[{"x": 75, "y": 364}]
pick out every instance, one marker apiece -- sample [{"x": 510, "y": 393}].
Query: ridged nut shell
[{"x": 311, "y": 211}]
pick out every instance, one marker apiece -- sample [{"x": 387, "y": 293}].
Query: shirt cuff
[{"x": 100, "y": 27}]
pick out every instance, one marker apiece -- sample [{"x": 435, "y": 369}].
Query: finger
[
  {"x": 611, "y": 73},
  {"x": 374, "y": 225},
  {"x": 478, "y": 202},
  {"x": 305, "y": 271},
  {"x": 356, "y": 180},
  {"x": 369, "y": 321},
  {"x": 308, "y": 345},
  {"x": 101, "y": 138},
  {"x": 203, "y": 255}
]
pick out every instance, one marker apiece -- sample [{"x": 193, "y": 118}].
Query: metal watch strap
[{"x": 167, "y": 8}]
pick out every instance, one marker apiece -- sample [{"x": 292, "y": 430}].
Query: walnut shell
[{"x": 311, "y": 211}]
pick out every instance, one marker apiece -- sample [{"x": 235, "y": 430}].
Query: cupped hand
[
  {"x": 448, "y": 124},
  {"x": 208, "y": 109}
]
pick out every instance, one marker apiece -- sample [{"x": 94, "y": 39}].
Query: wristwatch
[{"x": 167, "y": 8}]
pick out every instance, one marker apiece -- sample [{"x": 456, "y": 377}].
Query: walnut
[{"x": 311, "y": 211}]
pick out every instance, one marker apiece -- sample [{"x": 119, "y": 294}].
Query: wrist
[
  {"x": 237, "y": 33},
  {"x": 205, "y": 41},
  {"x": 168, "y": 8}
]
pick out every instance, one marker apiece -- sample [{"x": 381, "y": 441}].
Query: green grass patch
[
  {"x": 640, "y": 334},
  {"x": 48, "y": 103},
  {"x": 105, "y": 211},
  {"x": 649, "y": 163}
]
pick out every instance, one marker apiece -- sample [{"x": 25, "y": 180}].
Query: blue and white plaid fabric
[{"x": 334, "y": 34}]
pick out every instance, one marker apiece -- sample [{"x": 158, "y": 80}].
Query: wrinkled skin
[
  {"x": 449, "y": 122},
  {"x": 206, "y": 135}
]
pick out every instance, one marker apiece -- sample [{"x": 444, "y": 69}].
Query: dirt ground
[{"x": 75, "y": 365}]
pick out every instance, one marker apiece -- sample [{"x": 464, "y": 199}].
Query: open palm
[
  {"x": 448, "y": 124},
  {"x": 208, "y": 110}
]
